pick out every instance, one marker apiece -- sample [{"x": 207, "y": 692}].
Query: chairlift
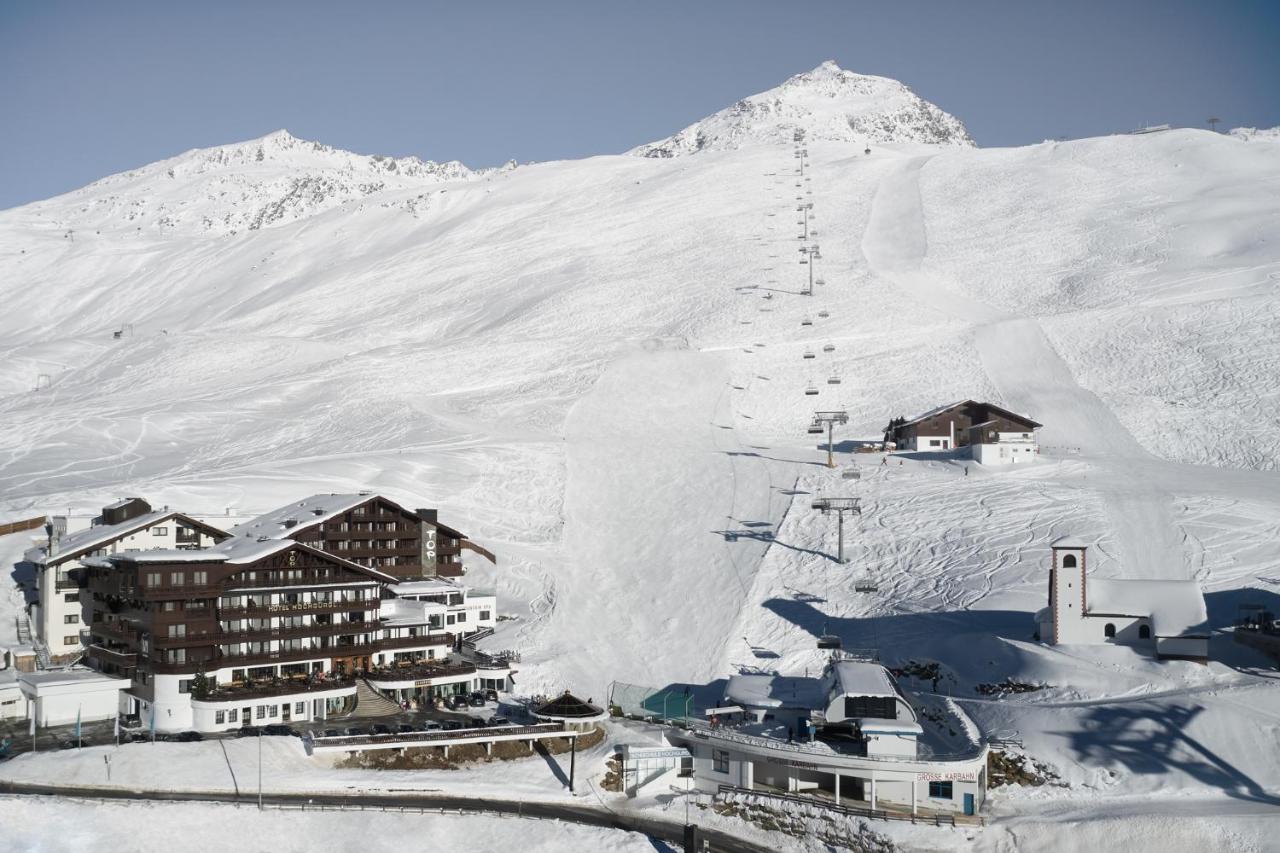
[
  {"x": 829, "y": 348},
  {"x": 821, "y": 282},
  {"x": 809, "y": 354},
  {"x": 865, "y": 586},
  {"x": 824, "y": 313},
  {"x": 830, "y": 641},
  {"x": 854, "y": 473},
  {"x": 815, "y": 428},
  {"x": 804, "y": 261},
  {"x": 806, "y": 322},
  {"x": 811, "y": 391},
  {"x": 833, "y": 379}
]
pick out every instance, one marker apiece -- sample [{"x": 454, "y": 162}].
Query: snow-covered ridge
[
  {"x": 243, "y": 186},
  {"x": 828, "y": 103},
  {"x": 1256, "y": 134}
]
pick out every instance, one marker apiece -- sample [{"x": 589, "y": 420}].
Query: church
[{"x": 1164, "y": 617}]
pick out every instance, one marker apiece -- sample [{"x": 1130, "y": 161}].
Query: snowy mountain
[
  {"x": 598, "y": 370},
  {"x": 245, "y": 186},
  {"x": 827, "y": 103}
]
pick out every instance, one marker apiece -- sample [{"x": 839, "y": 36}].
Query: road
[{"x": 673, "y": 833}]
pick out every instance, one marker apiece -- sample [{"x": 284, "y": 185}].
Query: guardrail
[{"x": 857, "y": 811}]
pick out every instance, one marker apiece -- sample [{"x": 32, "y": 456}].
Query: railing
[
  {"x": 266, "y": 634},
  {"x": 456, "y": 734},
  {"x": 420, "y": 672},
  {"x": 263, "y": 610},
  {"x": 278, "y": 687},
  {"x": 115, "y": 631},
  {"x": 244, "y": 583},
  {"x": 855, "y": 811},
  {"x": 63, "y": 584},
  {"x": 120, "y": 658},
  {"x": 702, "y": 730}
]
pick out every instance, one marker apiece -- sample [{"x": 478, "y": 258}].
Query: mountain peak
[{"x": 828, "y": 103}]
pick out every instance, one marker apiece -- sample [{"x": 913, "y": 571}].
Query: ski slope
[{"x": 577, "y": 362}]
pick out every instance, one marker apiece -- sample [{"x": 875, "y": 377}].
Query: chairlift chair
[
  {"x": 815, "y": 428},
  {"x": 830, "y": 641},
  {"x": 865, "y": 586},
  {"x": 829, "y": 348},
  {"x": 824, "y": 313},
  {"x": 833, "y": 379},
  {"x": 806, "y": 322},
  {"x": 851, "y": 474},
  {"x": 811, "y": 391},
  {"x": 809, "y": 354}
]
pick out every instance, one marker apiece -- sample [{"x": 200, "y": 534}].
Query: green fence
[{"x": 637, "y": 700}]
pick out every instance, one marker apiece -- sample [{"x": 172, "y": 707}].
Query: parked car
[
  {"x": 379, "y": 729},
  {"x": 139, "y": 737},
  {"x": 432, "y": 726},
  {"x": 280, "y": 730},
  {"x": 495, "y": 722},
  {"x": 406, "y": 728},
  {"x": 451, "y": 725},
  {"x": 491, "y": 695},
  {"x": 475, "y": 722},
  {"x": 332, "y": 733},
  {"x": 456, "y": 702},
  {"x": 356, "y": 731},
  {"x": 188, "y": 737},
  {"x": 476, "y": 700},
  {"x": 248, "y": 731}
]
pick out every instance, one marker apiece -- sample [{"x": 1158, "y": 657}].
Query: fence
[
  {"x": 728, "y": 791},
  {"x": 19, "y": 526},
  {"x": 637, "y": 700}
]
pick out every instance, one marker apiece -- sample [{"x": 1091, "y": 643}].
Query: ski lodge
[
  {"x": 849, "y": 736},
  {"x": 1165, "y": 617},
  {"x": 990, "y": 434}
]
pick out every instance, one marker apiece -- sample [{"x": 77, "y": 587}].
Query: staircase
[
  {"x": 42, "y": 655},
  {"x": 24, "y": 629},
  {"x": 371, "y": 703}
]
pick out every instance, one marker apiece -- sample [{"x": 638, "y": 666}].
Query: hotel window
[
  {"x": 275, "y": 710},
  {"x": 176, "y": 578},
  {"x": 71, "y": 597},
  {"x": 153, "y": 579},
  {"x": 159, "y": 531},
  {"x": 71, "y": 619},
  {"x": 484, "y": 614},
  {"x": 177, "y": 630},
  {"x": 220, "y": 717},
  {"x": 70, "y": 641},
  {"x": 199, "y": 578},
  {"x": 184, "y": 685},
  {"x": 232, "y": 716},
  {"x": 462, "y": 617},
  {"x": 261, "y": 712},
  {"x": 940, "y": 790},
  {"x": 720, "y": 761},
  {"x": 300, "y": 708}
]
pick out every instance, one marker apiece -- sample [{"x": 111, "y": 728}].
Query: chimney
[
  {"x": 427, "y": 515},
  {"x": 53, "y": 540}
]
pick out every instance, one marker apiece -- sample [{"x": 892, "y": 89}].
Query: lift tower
[
  {"x": 839, "y": 506},
  {"x": 828, "y": 419}
]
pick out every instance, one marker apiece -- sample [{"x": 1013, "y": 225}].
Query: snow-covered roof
[
  {"x": 84, "y": 677},
  {"x": 237, "y": 551},
  {"x": 935, "y": 411},
  {"x": 1069, "y": 542},
  {"x": 303, "y": 514},
  {"x": 434, "y": 586},
  {"x": 100, "y": 535},
  {"x": 858, "y": 678},
  {"x": 774, "y": 691},
  {"x": 872, "y": 725},
  {"x": 1175, "y": 607}
]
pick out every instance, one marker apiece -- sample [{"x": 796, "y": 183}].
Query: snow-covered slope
[
  {"x": 1256, "y": 134},
  {"x": 828, "y": 104},
  {"x": 576, "y": 361},
  {"x": 246, "y": 186}
]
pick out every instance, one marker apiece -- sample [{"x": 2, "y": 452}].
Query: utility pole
[
  {"x": 830, "y": 419},
  {"x": 811, "y": 254},
  {"x": 259, "y": 771},
  {"x": 839, "y": 506},
  {"x": 1213, "y": 123}
]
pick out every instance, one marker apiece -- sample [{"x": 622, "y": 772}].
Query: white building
[
  {"x": 129, "y": 525},
  {"x": 850, "y": 735},
  {"x": 63, "y": 697},
  {"x": 1165, "y": 617}
]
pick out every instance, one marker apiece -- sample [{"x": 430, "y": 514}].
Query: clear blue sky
[{"x": 92, "y": 88}]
